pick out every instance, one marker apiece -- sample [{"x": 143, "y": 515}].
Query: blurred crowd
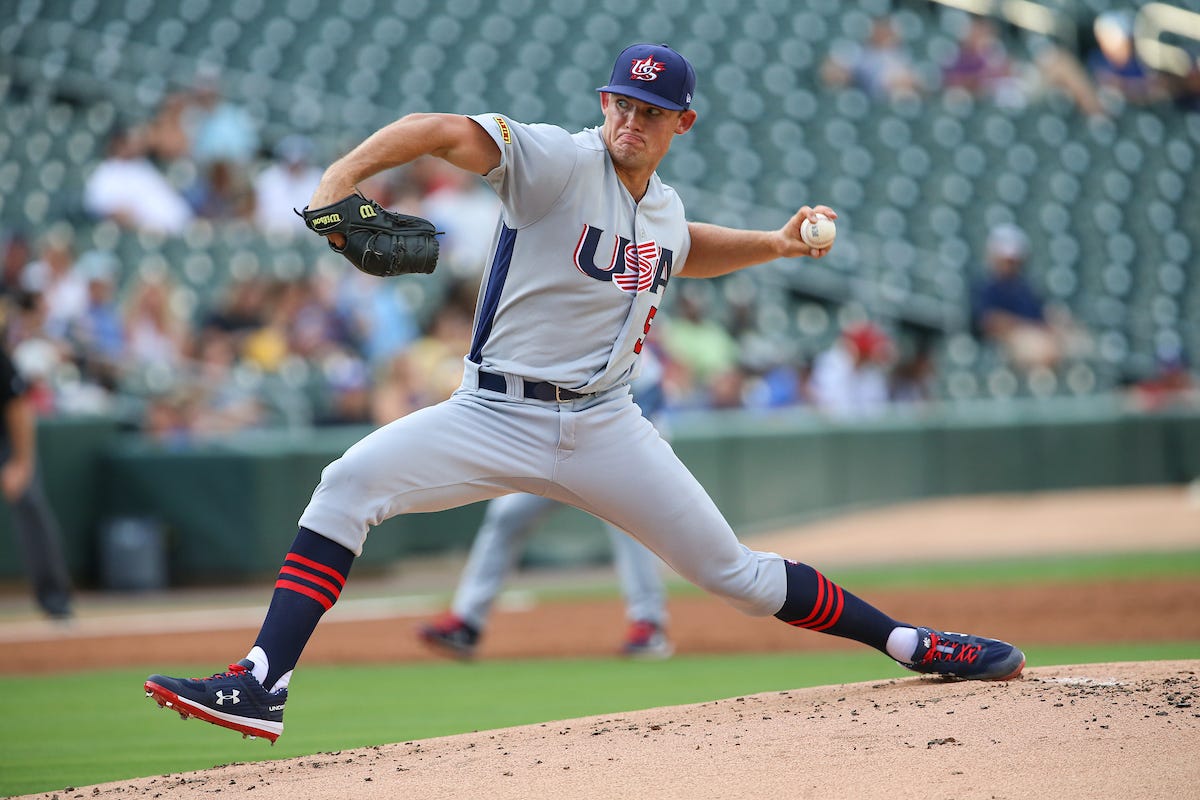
[
  {"x": 1093, "y": 63},
  {"x": 94, "y": 335}
]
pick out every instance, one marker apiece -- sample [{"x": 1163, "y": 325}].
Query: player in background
[
  {"x": 34, "y": 522},
  {"x": 507, "y": 523},
  {"x": 588, "y": 239}
]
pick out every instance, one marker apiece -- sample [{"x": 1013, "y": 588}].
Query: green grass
[
  {"x": 1006, "y": 572},
  {"x": 89, "y": 728}
]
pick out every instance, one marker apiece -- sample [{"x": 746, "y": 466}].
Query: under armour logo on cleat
[{"x": 231, "y": 696}]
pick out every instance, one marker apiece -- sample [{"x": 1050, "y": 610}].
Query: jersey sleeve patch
[{"x": 505, "y": 133}]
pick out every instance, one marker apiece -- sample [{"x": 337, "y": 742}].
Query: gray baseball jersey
[
  {"x": 576, "y": 275},
  {"x": 577, "y": 272}
]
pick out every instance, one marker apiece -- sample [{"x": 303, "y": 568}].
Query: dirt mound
[{"x": 1128, "y": 730}]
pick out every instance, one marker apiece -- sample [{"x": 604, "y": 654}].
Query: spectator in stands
[
  {"x": 267, "y": 346},
  {"x": 316, "y": 331},
  {"x": 727, "y": 389},
  {"x": 99, "y": 333},
  {"x": 696, "y": 348},
  {"x": 911, "y": 378},
  {"x": 284, "y": 185},
  {"x": 16, "y": 255},
  {"x": 437, "y": 357},
  {"x": 165, "y": 134},
  {"x": 1115, "y": 64},
  {"x": 168, "y": 419},
  {"x": 431, "y": 368},
  {"x": 222, "y": 404},
  {"x": 983, "y": 67},
  {"x": 774, "y": 377},
  {"x": 349, "y": 399},
  {"x": 882, "y": 67},
  {"x": 155, "y": 335},
  {"x": 54, "y": 276},
  {"x": 128, "y": 189},
  {"x": 34, "y": 522},
  {"x": 850, "y": 378},
  {"x": 221, "y": 191},
  {"x": 981, "y": 64},
  {"x": 1008, "y": 311},
  {"x": 241, "y": 307},
  {"x": 218, "y": 128},
  {"x": 376, "y": 315}
]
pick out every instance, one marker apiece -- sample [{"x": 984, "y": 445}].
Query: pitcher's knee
[{"x": 755, "y": 584}]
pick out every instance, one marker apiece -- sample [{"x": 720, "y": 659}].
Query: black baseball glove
[{"x": 379, "y": 242}]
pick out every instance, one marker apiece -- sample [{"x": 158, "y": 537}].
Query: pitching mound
[{"x": 1128, "y": 730}]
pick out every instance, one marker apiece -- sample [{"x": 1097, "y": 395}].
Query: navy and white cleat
[
  {"x": 233, "y": 699},
  {"x": 960, "y": 655}
]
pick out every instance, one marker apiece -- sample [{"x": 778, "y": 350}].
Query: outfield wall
[{"x": 227, "y": 511}]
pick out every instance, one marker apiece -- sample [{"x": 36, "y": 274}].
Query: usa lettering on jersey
[{"x": 632, "y": 268}]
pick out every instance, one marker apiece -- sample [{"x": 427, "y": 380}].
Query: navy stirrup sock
[
  {"x": 310, "y": 582},
  {"x": 818, "y": 604}
]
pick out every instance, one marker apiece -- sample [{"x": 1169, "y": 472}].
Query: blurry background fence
[{"x": 224, "y": 511}]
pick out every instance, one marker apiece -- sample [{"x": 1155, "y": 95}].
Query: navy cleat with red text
[
  {"x": 960, "y": 655},
  {"x": 233, "y": 699}
]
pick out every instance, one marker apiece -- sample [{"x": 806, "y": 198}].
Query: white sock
[
  {"x": 902, "y": 643},
  {"x": 261, "y": 663},
  {"x": 282, "y": 683}
]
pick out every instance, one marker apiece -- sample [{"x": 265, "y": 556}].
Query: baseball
[{"x": 820, "y": 233}]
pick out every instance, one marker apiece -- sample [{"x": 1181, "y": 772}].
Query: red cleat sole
[{"x": 168, "y": 699}]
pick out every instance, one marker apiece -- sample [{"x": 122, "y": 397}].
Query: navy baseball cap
[{"x": 655, "y": 74}]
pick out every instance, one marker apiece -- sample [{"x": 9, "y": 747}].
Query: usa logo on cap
[
  {"x": 655, "y": 74},
  {"x": 646, "y": 69}
]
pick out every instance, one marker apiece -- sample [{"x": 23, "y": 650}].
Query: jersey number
[{"x": 637, "y": 348}]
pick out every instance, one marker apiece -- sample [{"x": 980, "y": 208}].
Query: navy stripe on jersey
[{"x": 491, "y": 299}]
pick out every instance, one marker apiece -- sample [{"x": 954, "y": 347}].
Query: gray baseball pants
[{"x": 597, "y": 453}]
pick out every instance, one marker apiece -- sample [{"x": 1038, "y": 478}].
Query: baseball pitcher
[{"x": 588, "y": 240}]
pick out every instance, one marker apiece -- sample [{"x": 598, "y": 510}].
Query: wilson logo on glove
[
  {"x": 328, "y": 219},
  {"x": 377, "y": 241}
]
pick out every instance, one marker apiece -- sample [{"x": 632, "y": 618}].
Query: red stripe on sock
[
  {"x": 335, "y": 590},
  {"x": 307, "y": 591},
  {"x": 319, "y": 567},
  {"x": 818, "y": 607},
  {"x": 836, "y": 610},
  {"x": 818, "y": 619}
]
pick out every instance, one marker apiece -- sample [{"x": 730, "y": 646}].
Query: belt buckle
[{"x": 558, "y": 398}]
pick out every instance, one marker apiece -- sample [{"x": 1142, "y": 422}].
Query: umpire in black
[{"x": 34, "y": 522}]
